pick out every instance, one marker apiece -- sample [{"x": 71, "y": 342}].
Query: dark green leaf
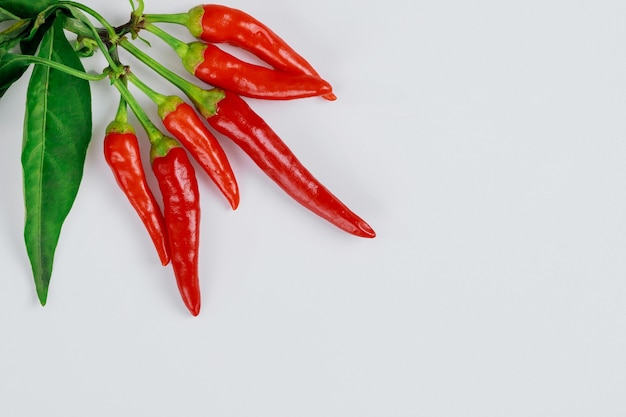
[
  {"x": 26, "y": 8},
  {"x": 11, "y": 69},
  {"x": 43, "y": 22},
  {"x": 31, "y": 42},
  {"x": 57, "y": 131}
]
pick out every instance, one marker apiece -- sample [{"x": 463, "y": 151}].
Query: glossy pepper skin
[
  {"x": 216, "y": 67},
  {"x": 182, "y": 121},
  {"x": 216, "y": 23},
  {"x": 181, "y": 207},
  {"x": 121, "y": 151},
  {"x": 237, "y": 121}
]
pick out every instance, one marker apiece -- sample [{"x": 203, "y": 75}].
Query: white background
[{"x": 485, "y": 143}]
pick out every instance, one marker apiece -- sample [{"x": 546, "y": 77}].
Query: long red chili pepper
[
  {"x": 236, "y": 120},
  {"x": 182, "y": 121},
  {"x": 221, "y": 24},
  {"x": 181, "y": 206},
  {"x": 121, "y": 151},
  {"x": 221, "y": 69}
]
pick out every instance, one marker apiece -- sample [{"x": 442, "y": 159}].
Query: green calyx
[
  {"x": 161, "y": 147},
  {"x": 194, "y": 56},
  {"x": 168, "y": 105},
  {"x": 119, "y": 127},
  {"x": 194, "y": 21},
  {"x": 205, "y": 101}
]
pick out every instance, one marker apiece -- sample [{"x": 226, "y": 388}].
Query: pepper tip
[
  {"x": 164, "y": 256},
  {"x": 366, "y": 230},
  {"x": 193, "y": 307},
  {"x": 234, "y": 201}
]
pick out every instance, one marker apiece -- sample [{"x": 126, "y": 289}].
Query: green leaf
[
  {"x": 57, "y": 131},
  {"x": 26, "y": 8},
  {"x": 11, "y": 69}
]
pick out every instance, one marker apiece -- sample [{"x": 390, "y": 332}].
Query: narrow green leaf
[
  {"x": 26, "y": 8},
  {"x": 57, "y": 131}
]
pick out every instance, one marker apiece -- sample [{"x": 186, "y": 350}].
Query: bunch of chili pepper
[{"x": 174, "y": 224}]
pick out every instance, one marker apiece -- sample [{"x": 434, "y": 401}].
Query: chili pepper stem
[
  {"x": 135, "y": 107},
  {"x": 182, "y": 84},
  {"x": 204, "y": 100},
  {"x": 120, "y": 123},
  {"x": 165, "y": 104},
  {"x": 177, "y": 45},
  {"x": 58, "y": 66},
  {"x": 96, "y": 36},
  {"x": 160, "y": 143},
  {"x": 139, "y": 9},
  {"x": 157, "y": 98},
  {"x": 177, "y": 18},
  {"x": 109, "y": 28},
  {"x": 192, "y": 19},
  {"x": 122, "y": 111}
]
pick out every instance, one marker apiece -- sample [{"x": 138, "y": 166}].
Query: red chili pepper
[
  {"x": 221, "y": 69},
  {"x": 236, "y": 120},
  {"x": 221, "y": 24},
  {"x": 181, "y": 207},
  {"x": 181, "y": 120},
  {"x": 121, "y": 151}
]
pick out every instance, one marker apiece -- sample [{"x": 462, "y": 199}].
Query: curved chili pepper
[
  {"x": 236, "y": 120},
  {"x": 181, "y": 207},
  {"x": 221, "y": 69},
  {"x": 221, "y": 24},
  {"x": 181, "y": 120},
  {"x": 121, "y": 151}
]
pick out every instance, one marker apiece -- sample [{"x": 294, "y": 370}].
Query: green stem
[
  {"x": 177, "y": 45},
  {"x": 152, "y": 95},
  {"x": 120, "y": 124},
  {"x": 115, "y": 56},
  {"x": 154, "y": 134},
  {"x": 109, "y": 28},
  {"x": 204, "y": 100},
  {"x": 178, "y": 81},
  {"x": 121, "y": 116},
  {"x": 78, "y": 27},
  {"x": 178, "y": 19},
  {"x": 138, "y": 11},
  {"x": 96, "y": 36},
  {"x": 58, "y": 66},
  {"x": 192, "y": 20},
  {"x": 165, "y": 104}
]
